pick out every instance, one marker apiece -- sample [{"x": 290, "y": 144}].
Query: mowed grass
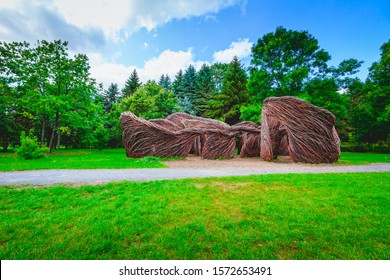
[
  {"x": 116, "y": 158},
  {"x": 296, "y": 216},
  {"x": 363, "y": 158},
  {"x": 77, "y": 159}
]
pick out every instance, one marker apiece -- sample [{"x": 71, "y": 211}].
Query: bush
[
  {"x": 380, "y": 147},
  {"x": 29, "y": 147}
]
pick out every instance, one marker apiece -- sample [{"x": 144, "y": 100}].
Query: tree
[
  {"x": 378, "y": 89},
  {"x": 282, "y": 61},
  {"x": 151, "y": 101},
  {"x": 188, "y": 86},
  {"x": 205, "y": 89},
  {"x": 110, "y": 96},
  {"x": 177, "y": 85},
  {"x": 227, "y": 104},
  {"x": 54, "y": 92},
  {"x": 131, "y": 85},
  {"x": 165, "y": 82}
]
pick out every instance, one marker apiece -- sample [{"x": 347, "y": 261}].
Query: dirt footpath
[{"x": 197, "y": 162}]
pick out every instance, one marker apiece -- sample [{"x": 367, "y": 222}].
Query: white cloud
[
  {"x": 115, "y": 19},
  {"x": 241, "y": 49},
  {"x": 168, "y": 62}
]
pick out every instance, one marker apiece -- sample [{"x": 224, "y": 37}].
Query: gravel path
[{"x": 189, "y": 168}]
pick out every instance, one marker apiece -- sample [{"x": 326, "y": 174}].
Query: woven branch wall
[
  {"x": 290, "y": 126},
  {"x": 181, "y": 134},
  {"x": 306, "y": 131}
]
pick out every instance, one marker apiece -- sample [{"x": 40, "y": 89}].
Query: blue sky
[{"x": 161, "y": 37}]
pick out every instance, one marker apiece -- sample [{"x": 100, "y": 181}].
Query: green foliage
[
  {"x": 295, "y": 216},
  {"x": 52, "y": 90},
  {"x": 151, "y": 101},
  {"x": 378, "y": 94},
  {"x": 227, "y": 103},
  {"x": 282, "y": 61},
  {"x": 165, "y": 82},
  {"x": 110, "y": 96},
  {"x": 205, "y": 89},
  {"x": 132, "y": 84},
  {"x": 188, "y": 95},
  {"x": 324, "y": 93},
  {"x": 380, "y": 147},
  {"x": 29, "y": 147},
  {"x": 251, "y": 112}
]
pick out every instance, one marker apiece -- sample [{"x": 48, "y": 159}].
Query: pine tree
[
  {"x": 189, "y": 87},
  {"x": 227, "y": 103},
  {"x": 205, "y": 89},
  {"x": 165, "y": 82},
  {"x": 177, "y": 85},
  {"x": 131, "y": 84},
  {"x": 110, "y": 96}
]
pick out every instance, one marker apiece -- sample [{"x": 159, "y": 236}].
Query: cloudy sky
[{"x": 162, "y": 36}]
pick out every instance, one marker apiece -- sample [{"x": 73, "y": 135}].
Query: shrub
[
  {"x": 380, "y": 147},
  {"x": 29, "y": 147}
]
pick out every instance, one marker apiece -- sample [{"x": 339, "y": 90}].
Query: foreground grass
[
  {"x": 77, "y": 159},
  {"x": 300, "y": 216}
]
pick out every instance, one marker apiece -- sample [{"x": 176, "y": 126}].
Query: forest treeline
[{"x": 46, "y": 92}]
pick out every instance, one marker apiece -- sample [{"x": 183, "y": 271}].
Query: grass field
[
  {"x": 301, "y": 216},
  {"x": 363, "y": 158},
  {"x": 77, "y": 159},
  {"x": 116, "y": 158}
]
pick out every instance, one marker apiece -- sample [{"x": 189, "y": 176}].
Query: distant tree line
[{"x": 45, "y": 91}]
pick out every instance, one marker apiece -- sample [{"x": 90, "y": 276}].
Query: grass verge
[
  {"x": 78, "y": 159},
  {"x": 296, "y": 216},
  {"x": 363, "y": 158},
  {"x": 116, "y": 158}
]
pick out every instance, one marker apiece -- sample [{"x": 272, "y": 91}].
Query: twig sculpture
[
  {"x": 290, "y": 126},
  {"x": 306, "y": 131}
]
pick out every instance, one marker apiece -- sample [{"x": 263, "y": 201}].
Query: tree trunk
[
  {"x": 53, "y": 133},
  {"x": 58, "y": 140},
  {"x": 5, "y": 143},
  {"x": 51, "y": 141},
  {"x": 43, "y": 131}
]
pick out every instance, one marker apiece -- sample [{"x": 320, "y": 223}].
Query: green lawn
[
  {"x": 116, "y": 158},
  {"x": 296, "y": 216},
  {"x": 363, "y": 158},
  {"x": 77, "y": 159}
]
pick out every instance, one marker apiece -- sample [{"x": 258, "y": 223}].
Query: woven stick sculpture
[
  {"x": 306, "y": 131},
  {"x": 248, "y": 136},
  {"x": 143, "y": 138},
  {"x": 187, "y": 121}
]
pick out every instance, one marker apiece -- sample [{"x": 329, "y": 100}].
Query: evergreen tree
[
  {"x": 110, "y": 96},
  {"x": 205, "y": 89},
  {"x": 189, "y": 88},
  {"x": 178, "y": 89},
  {"x": 177, "y": 85},
  {"x": 165, "y": 82},
  {"x": 131, "y": 85},
  {"x": 227, "y": 103}
]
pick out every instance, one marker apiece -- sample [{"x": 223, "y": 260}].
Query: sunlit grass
[
  {"x": 77, "y": 159},
  {"x": 116, "y": 158},
  {"x": 296, "y": 216},
  {"x": 363, "y": 158}
]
